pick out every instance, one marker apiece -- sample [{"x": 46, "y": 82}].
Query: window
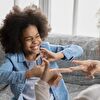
[
  {"x": 62, "y": 13},
  {"x": 87, "y": 22},
  {"x": 24, "y": 3},
  {"x": 61, "y": 16},
  {"x": 5, "y": 7}
]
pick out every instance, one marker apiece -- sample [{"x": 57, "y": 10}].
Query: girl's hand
[
  {"x": 53, "y": 75},
  {"x": 51, "y": 56},
  {"x": 36, "y": 71}
]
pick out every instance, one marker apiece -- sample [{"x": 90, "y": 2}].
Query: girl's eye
[
  {"x": 29, "y": 39},
  {"x": 38, "y": 36}
]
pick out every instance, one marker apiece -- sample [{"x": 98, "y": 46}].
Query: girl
[{"x": 22, "y": 36}]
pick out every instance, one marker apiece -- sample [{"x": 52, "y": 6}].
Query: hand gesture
[
  {"x": 35, "y": 71},
  {"x": 51, "y": 56},
  {"x": 53, "y": 75},
  {"x": 91, "y": 67}
]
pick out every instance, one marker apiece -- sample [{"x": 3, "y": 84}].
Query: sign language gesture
[
  {"x": 51, "y": 56},
  {"x": 91, "y": 67},
  {"x": 53, "y": 75}
]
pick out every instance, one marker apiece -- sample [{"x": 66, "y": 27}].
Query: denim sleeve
[
  {"x": 12, "y": 77},
  {"x": 8, "y": 76},
  {"x": 70, "y": 51}
]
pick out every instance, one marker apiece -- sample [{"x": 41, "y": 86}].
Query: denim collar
[{"x": 21, "y": 57}]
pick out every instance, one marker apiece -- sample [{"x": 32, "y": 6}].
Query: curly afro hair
[{"x": 17, "y": 21}]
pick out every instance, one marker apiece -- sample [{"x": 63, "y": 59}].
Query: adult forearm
[{"x": 42, "y": 90}]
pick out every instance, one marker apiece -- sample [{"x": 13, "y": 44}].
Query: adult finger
[
  {"x": 62, "y": 70},
  {"x": 70, "y": 69},
  {"x": 80, "y": 62}
]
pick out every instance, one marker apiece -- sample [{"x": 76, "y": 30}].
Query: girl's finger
[
  {"x": 46, "y": 68},
  {"x": 46, "y": 51},
  {"x": 56, "y": 82},
  {"x": 46, "y": 62}
]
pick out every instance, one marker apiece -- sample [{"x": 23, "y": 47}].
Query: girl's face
[{"x": 31, "y": 40}]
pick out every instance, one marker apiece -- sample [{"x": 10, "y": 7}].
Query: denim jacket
[{"x": 12, "y": 71}]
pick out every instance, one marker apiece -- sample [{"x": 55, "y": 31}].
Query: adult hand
[
  {"x": 91, "y": 67},
  {"x": 53, "y": 76}
]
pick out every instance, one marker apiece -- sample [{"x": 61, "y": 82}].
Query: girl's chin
[{"x": 36, "y": 51}]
